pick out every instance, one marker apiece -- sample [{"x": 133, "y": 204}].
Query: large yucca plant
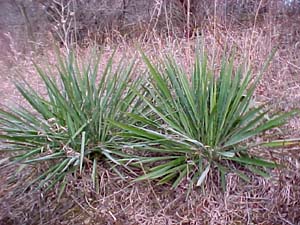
[
  {"x": 203, "y": 122},
  {"x": 69, "y": 127}
]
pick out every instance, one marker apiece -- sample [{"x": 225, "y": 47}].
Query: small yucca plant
[
  {"x": 70, "y": 126},
  {"x": 203, "y": 122}
]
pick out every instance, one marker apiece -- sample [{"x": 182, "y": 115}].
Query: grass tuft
[
  {"x": 202, "y": 122},
  {"x": 69, "y": 128}
]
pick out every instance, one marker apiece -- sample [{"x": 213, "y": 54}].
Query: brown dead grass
[{"x": 262, "y": 201}]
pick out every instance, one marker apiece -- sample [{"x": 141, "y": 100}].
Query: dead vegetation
[{"x": 262, "y": 201}]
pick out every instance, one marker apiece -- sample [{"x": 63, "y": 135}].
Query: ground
[{"x": 262, "y": 201}]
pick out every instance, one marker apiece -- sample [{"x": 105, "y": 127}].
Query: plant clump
[
  {"x": 175, "y": 125},
  {"x": 70, "y": 127},
  {"x": 201, "y": 123}
]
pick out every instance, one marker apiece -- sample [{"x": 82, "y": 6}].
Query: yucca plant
[
  {"x": 202, "y": 122},
  {"x": 69, "y": 128}
]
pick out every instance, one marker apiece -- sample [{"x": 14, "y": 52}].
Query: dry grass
[
  {"x": 274, "y": 201},
  {"x": 263, "y": 201}
]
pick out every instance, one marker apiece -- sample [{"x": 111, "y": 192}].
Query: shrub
[
  {"x": 69, "y": 127},
  {"x": 178, "y": 126},
  {"x": 204, "y": 122}
]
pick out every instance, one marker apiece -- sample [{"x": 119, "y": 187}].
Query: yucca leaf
[
  {"x": 281, "y": 143},
  {"x": 242, "y": 175},
  {"x": 94, "y": 172},
  {"x": 203, "y": 176},
  {"x": 181, "y": 177},
  {"x": 254, "y": 161},
  {"x": 258, "y": 172},
  {"x": 56, "y": 155},
  {"x": 82, "y": 151}
]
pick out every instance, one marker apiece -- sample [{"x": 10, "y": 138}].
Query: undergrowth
[{"x": 177, "y": 125}]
